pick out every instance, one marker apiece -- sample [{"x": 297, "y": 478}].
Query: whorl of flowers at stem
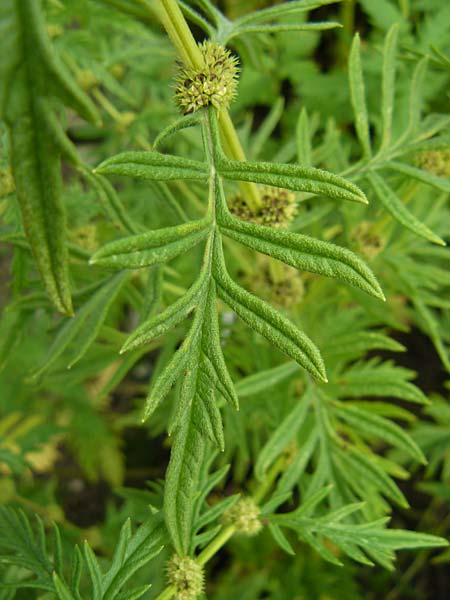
[{"x": 215, "y": 83}]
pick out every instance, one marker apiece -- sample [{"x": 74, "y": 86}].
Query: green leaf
[
  {"x": 356, "y": 344},
  {"x": 281, "y": 539},
  {"x": 304, "y": 152},
  {"x": 39, "y": 190},
  {"x": 108, "y": 195},
  {"x": 265, "y": 320},
  {"x": 264, "y": 380},
  {"x": 388, "y": 85},
  {"x": 29, "y": 74},
  {"x": 61, "y": 589},
  {"x": 399, "y": 539},
  {"x": 25, "y": 548},
  {"x": 266, "y": 128},
  {"x": 201, "y": 379},
  {"x": 358, "y": 96},
  {"x": 303, "y": 252},
  {"x": 153, "y": 166},
  {"x": 25, "y": 28},
  {"x": 153, "y": 247},
  {"x": 281, "y": 437},
  {"x": 183, "y": 478},
  {"x": 375, "y": 426},
  {"x": 275, "y": 28},
  {"x": 95, "y": 573},
  {"x": 373, "y": 379},
  {"x": 353, "y": 539},
  {"x": 432, "y": 327},
  {"x": 291, "y": 177},
  {"x": 183, "y": 122},
  {"x": 383, "y": 14},
  {"x": 363, "y": 473},
  {"x": 132, "y": 552},
  {"x": 398, "y": 210},
  {"x": 200, "y": 356},
  {"x": 308, "y": 505},
  {"x": 212, "y": 351},
  {"x": 179, "y": 361},
  {"x": 283, "y": 9},
  {"x": 295, "y": 469},
  {"x": 441, "y": 184},
  {"x": 416, "y": 97},
  {"x": 135, "y": 593},
  {"x": 161, "y": 323},
  {"x": 83, "y": 327},
  {"x": 320, "y": 548}
]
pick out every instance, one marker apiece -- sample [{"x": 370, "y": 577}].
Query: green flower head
[
  {"x": 187, "y": 577},
  {"x": 245, "y": 516},
  {"x": 436, "y": 162},
  {"x": 214, "y": 83},
  {"x": 278, "y": 207}
]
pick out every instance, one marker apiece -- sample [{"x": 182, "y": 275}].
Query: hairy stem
[{"x": 178, "y": 31}]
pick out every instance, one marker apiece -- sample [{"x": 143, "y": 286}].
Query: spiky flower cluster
[
  {"x": 367, "y": 241},
  {"x": 86, "y": 237},
  {"x": 245, "y": 516},
  {"x": 187, "y": 577},
  {"x": 278, "y": 207},
  {"x": 436, "y": 162},
  {"x": 279, "y": 284},
  {"x": 214, "y": 83}
]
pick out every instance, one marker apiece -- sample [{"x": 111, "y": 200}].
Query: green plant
[{"x": 314, "y": 230}]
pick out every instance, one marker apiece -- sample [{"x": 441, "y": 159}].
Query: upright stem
[{"x": 178, "y": 31}]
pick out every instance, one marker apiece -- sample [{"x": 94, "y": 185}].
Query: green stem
[
  {"x": 265, "y": 486},
  {"x": 168, "y": 593},
  {"x": 106, "y": 104},
  {"x": 347, "y": 18},
  {"x": 213, "y": 547},
  {"x": 405, "y": 8},
  {"x": 178, "y": 31},
  {"x": 233, "y": 148},
  {"x": 227, "y": 532}
]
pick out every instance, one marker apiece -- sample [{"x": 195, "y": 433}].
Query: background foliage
[{"x": 131, "y": 290}]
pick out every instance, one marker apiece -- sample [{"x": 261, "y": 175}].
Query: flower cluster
[
  {"x": 85, "y": 237},
  {"x": 245, "y": 516},
  {"x": 436, "y": 162},
  {"x": 187, "y": 576},
  {"x": 279, "y": 284},
  {"x": 278, "y": 207},
  {"x": 367, "y": 241},
  {"x": 214, "y": 83}
]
